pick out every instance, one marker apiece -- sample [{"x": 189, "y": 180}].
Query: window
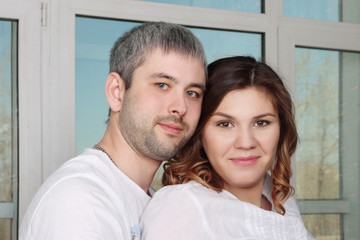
[
  {"x": 326, "y": 96},
  {"x": 56, "y": 74},
  {"x": 328, "y": 10},
  {"x": 20, "y": 118},
  {"x": 325, "y": 84},
  {"x": 8, "y": 130}
]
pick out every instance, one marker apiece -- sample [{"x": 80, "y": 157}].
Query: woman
[{"x": 246, "y": 129}]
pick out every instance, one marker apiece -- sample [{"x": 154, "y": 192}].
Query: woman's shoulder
[
  {"x": 171, "y": 210},
  {"x": 179, "y": 189},
  {"x": 188, "y": 196}
]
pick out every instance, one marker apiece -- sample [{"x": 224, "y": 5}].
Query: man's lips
[
  {"x": 171, "y": 128},
  {"x": 245, "y": 161}
]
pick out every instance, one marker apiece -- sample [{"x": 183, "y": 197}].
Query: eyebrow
[
  {"x": 255, "y": 117},
  {"x": 200, "y": 86},
  {"x": 266, "y": 115},
  {"x": 163, "y": 75},
  {"x": 221, "y": 114},
  {"x": 173, "y": 79}
]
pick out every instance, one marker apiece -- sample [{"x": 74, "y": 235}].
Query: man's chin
[{"x": 166, "y": 153}]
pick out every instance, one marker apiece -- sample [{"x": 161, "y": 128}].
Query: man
[{"x": 154, "y": 90}]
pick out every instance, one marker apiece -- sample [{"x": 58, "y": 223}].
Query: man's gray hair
[{"x": 131, "y": 49}]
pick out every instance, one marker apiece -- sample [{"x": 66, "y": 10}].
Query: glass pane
[
  {"x": 328, "y": 116},
  {"x": 5, "y": 229},
  {"x": 8, "y": 128},
  {"x": 92, "y": 53},
  {"x": 5, "y": 110},
  {"x": 317, "y": 114},
  {"x": 7, "y": 107},
  {"x": 323, "y": 226},
  {"x": 254, "y": 6},
  {"x": 329, "y": 10},
  {"x": 221, "y": 43}
]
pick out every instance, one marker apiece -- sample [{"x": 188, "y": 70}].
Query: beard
[{"x": 140, "y": 133}]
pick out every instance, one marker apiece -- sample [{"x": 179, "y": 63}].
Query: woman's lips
[{"x": 245, "y": 161}]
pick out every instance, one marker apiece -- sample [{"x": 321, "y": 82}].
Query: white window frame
[
  {"x": 27, "y": 13},
  {"x": 47, "y": 64}
]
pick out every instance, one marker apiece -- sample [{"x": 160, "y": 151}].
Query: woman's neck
[{"x": 251, "y": 194}]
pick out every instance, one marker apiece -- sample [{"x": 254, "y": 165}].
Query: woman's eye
[
  {"x": 162, "y": 85},
  {"x": 261, "y": 123},
  {"x": 225, "y": 124}
]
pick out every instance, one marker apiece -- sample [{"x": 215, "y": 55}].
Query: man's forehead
[{"x": 181, "y": 53}]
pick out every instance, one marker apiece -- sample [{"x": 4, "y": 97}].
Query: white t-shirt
[
  {"x": 86, "y": 198},
  {"x": 192, "y": 211}
]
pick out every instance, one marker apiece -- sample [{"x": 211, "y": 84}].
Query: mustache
[{"x": 172, "y": 118}]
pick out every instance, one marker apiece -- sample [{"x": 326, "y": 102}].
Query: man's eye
[
  {"x": 192, "y": 94},
  {"x": 162, "y": 85},
  {"x": 225, "y": 124},
  {"x": 261, "y": 123}
]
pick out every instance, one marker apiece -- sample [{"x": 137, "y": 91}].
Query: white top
[
  {"x": 87, "y": 198},
  {"x": 192, "y": 211}
]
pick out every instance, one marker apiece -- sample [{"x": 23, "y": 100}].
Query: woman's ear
[{"x": 115, "y": 91}]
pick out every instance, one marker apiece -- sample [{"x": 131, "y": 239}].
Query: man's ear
[{"x": 115, "y": 91}]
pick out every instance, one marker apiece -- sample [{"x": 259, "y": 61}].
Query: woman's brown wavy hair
[{"x": 226, "y": 75}]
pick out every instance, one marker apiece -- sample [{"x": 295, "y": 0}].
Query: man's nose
[{"x": 177, "y": 105}]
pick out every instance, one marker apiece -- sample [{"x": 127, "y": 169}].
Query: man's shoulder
[
  {"x": 73, "y": 204},
  {"x": 79, "y": 179},
  {"x": 78, "y": 171},
  {"x": 76, "y": 195}
]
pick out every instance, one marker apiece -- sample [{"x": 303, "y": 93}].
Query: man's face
[{"x": 161, "y": 109}]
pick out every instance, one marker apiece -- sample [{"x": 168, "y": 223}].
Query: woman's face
[{"x": 241, "y": 137}]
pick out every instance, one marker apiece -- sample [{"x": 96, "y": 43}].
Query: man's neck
[{"x": 139, "y": 169}]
